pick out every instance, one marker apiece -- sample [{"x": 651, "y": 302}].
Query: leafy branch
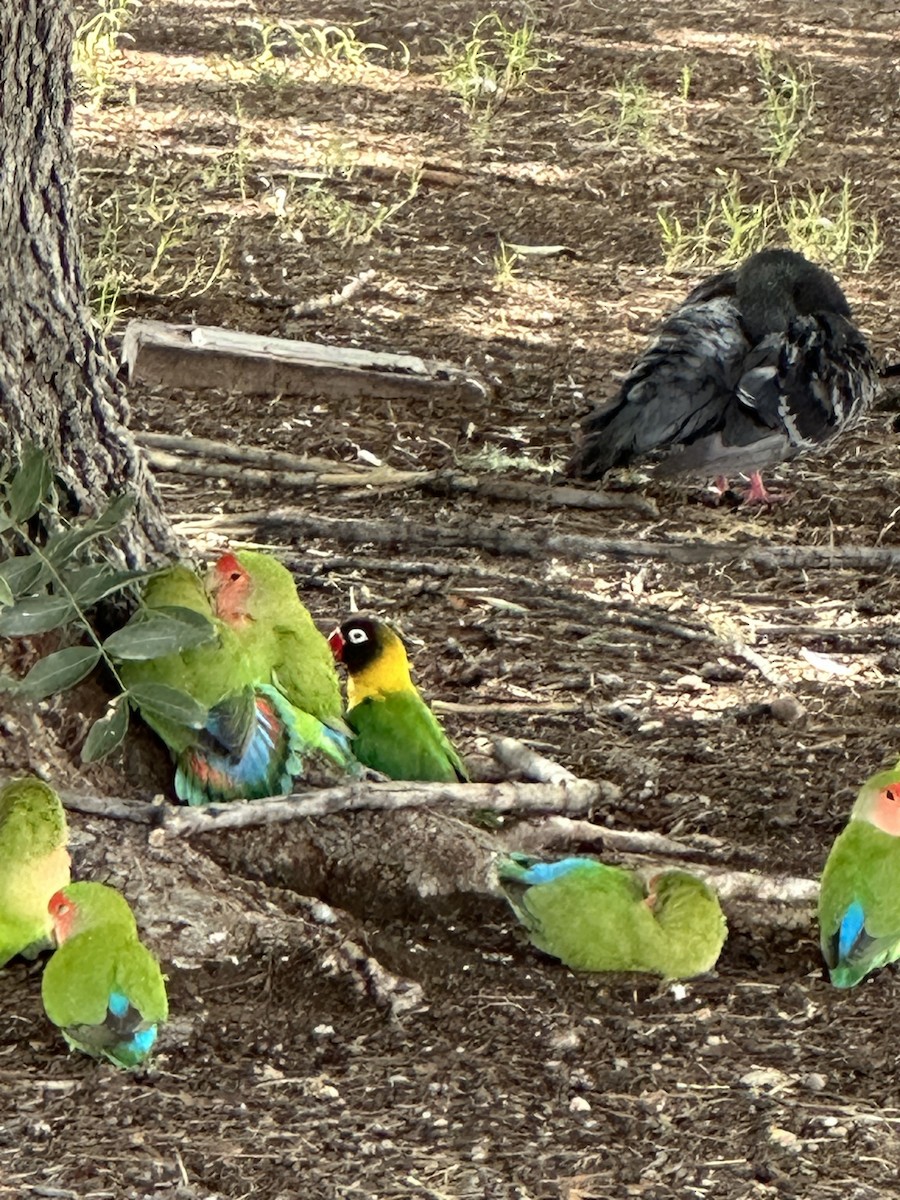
[{"x": 51, "y": 587}]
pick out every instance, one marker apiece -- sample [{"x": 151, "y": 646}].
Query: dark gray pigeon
[{"x": 759, "y": 364}]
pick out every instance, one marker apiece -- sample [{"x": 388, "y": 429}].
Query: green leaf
[
  {"x": 60, "y": 670},
  {"x": 6, "y": 596},
  {"x": 157, "y": 635},
  {"x": 62, "y": 546},
  {"x": 36, "y": 614},
  {"x": 29, "y": 485},
  {"x": 107, "y": 733},
  {"x": 23, "y": 573},
  {"x": 90, "y": 584},
  {"x": 170, "y": 703}
]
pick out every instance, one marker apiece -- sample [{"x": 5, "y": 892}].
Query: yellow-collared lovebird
[
  {"x": 595, "y": 917},
  {"x": 102, "y": 987},
  {"x": 859, "y": 897},
  {"x": 34, "y": 863},
  {"x": 395, "y": 730}
]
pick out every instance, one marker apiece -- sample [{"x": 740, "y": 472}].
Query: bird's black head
[
  {"x": 774, "y": 286},
  {"x": 361, "y": 641}
]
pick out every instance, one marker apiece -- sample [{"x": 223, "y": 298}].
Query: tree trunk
[{"x": 58, "y": 386}]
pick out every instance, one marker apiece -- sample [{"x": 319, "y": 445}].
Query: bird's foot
[{"x": 758, "y": 494}]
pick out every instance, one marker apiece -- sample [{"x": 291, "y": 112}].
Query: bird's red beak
[{"x": 336, "y": 642}]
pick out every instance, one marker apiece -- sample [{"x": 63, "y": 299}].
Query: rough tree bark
[{"x": 58, "y": 387}]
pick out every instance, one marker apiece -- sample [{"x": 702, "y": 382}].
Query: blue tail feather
[
  {"x": 852, "y": 926},
  {"x": 256, "y": 744}
]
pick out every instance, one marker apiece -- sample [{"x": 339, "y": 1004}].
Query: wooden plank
[{"x": 195, "y": 357}]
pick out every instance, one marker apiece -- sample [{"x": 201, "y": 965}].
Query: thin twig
[
  {"x": 326, "y": 301},
  {"x": 556, "y": 832},
  {"x": 272, "y": 470}
]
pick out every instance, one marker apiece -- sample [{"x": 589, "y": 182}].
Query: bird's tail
[
  {"x": 604, "y": 443},
  {"x": 250, "y": 747},
  {"x": 256, "y": 743}
]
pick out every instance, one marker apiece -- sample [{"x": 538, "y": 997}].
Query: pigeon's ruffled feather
[{"x": 757, "y": 365}]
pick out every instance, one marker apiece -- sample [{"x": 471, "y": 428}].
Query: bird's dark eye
[
  {"x": 357, "y": 636},
  {"x": 234, "y": 576},
  {"x": 891, "y": 795}
]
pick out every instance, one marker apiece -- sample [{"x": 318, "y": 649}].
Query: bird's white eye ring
[{"x": 357, "y": 636}]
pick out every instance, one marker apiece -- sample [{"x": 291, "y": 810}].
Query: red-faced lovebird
[
  {"x": 595, "y": 917},
  {"x": 253, "y": 741},
  {"x": 759, "y": 364},
  {"x": 859, "y": 897},
  {"x": 256, "y": 597},
  {"x": 396, "y": 732},
  {"x": 102, "y": 987},
  {"x": 34, "y": 863}
]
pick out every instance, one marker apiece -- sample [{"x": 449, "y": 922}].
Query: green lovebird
[
  {"x": 395, "y": 730},
  {"x": 256, "y": 597},
  {"x": 102, "y": 987},
  {"x": 859, "y": 897},
  {"x": 254, "y": 742},
  {"x": 600, "y": 918},
  {"x": 34, "y": 863}
]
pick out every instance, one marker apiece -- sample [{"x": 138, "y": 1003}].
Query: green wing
[
  {"x": 593, "y": 918},
  {"x": 692, "y": 923},
  {"x": 34, "y": 863},
  {"x": 302, "y": 666},
  {"x": 863, "y": 870},
  {"x": 400, "y": 736},
  {"x": 91, "y": 967},
  {"x": 208, "y": 673}
]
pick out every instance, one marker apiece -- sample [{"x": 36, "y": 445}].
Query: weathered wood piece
[{"x": 204, "y": 356}]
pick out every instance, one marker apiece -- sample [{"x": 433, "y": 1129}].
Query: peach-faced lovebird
[
  {"x": 255, "y": 595},
  {"x": 102, "y": 987},
  {"x": 253, "y": 741},
  {"x": 34, "y": 863},
  {"x": 859, "y": 897},
  {"x": 600, "y": 918},
  {"x": 759, "y": 364},
  {"x": 395, "y": 730}
]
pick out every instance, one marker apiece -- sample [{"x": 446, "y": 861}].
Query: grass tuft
[
  {"x": 788, "y": 106},
  {"x": 822, "y": 225},
  {"x": 95, "y": 52},
  {"x": 495, "y": 61}
]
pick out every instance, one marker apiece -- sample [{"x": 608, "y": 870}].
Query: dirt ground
[{"x": 511, "y": 1078}]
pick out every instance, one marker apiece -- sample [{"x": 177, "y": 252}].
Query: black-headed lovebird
[{"x": 395, "y": 731}]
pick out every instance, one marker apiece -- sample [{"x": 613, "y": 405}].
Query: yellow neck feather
[{"x": 388, "y": 673}]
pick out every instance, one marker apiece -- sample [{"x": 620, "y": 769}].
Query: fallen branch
[
  {"x": 561, "y": 833},
  {"x": 516, "y": 756},
  {"x": 501, "y": 540},
  {"x": 577, "y": 795},
  {"x": 254, "y": 456},
  {"x": 114, "y": 808},
  {"x": 505, "y": 706},
  {"x": 302, "y": 481}
]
